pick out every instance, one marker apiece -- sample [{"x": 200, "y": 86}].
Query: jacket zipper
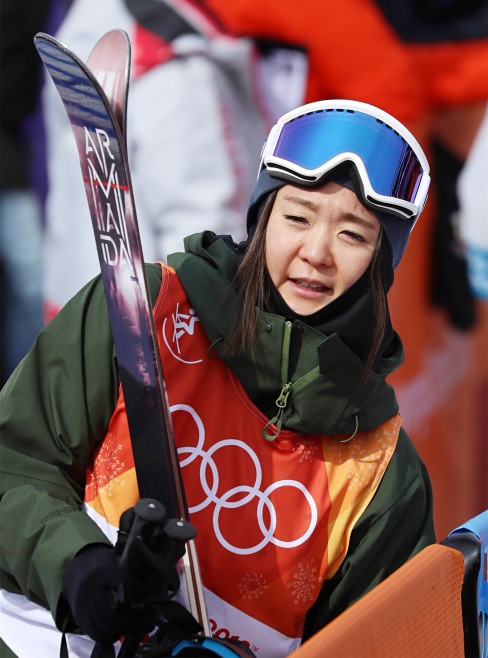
[{"x": 286, "y": 388}]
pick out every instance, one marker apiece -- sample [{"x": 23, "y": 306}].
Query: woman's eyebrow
[
  {"x": 302, "y": 202},
  {"x": 358, "y": 219}
]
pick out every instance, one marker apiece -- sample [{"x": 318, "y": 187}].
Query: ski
[
  {"x": 98, "y": 120},
  {"x": 109, "y": 61}
]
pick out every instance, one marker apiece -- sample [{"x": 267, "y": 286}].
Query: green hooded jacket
[{"x": 57, "y": 405}]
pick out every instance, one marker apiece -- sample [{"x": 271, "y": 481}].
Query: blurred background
[{"x": 209, "y": 78}]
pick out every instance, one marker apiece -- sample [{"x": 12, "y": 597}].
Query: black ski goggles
[{"x": 310, "y": 141}]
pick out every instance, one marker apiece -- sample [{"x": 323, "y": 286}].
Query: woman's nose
[{"x": 317, "y": 250}]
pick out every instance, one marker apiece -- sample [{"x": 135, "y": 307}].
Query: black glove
[{"x": 89, "y": 581}]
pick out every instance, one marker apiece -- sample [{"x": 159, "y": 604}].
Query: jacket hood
[{"x": 320, "y": 391}]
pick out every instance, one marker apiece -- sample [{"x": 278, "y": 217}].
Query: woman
[{"x": 305, "y": 489}]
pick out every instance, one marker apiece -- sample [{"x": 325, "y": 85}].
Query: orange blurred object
[{"x": 415, "y": 612}]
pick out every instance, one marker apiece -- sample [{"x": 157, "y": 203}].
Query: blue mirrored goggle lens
[{"x": 313, "y": 139}]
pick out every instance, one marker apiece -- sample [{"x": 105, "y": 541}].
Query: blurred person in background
[
  {"x": 197, "y": 112},
  {"x": 448, "y": 43},
  {"x": 21, "y": 231}
]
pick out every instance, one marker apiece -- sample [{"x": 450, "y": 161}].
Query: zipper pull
[{"x": 281, "y": 403}]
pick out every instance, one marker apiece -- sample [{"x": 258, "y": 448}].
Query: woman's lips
[{"x": 310, "y": 288}]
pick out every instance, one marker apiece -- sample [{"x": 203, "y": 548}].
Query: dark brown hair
[
  {"x": 250, "y": 282},
  {"x": 380, "y": 305}
]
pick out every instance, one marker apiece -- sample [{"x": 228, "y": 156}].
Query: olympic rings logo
[{"x": 227, "y": 500}]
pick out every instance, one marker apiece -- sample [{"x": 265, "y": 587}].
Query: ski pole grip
[{"x": 146, "y": 510}]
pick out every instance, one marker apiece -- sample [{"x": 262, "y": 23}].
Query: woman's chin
[{"x": 307, "y": 306}]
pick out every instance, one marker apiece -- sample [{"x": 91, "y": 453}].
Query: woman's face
[{"x": 319, "y": 242}]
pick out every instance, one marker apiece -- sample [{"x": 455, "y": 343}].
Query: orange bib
[{"x": 274, "y": 518}]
